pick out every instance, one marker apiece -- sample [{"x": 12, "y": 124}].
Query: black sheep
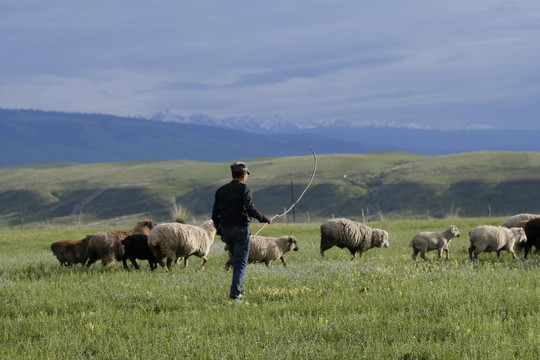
[
  {"x": 136, "y": 247},
  {"x": 532, "y": 230}
]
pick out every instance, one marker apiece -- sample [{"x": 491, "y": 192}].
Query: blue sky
[{"x": 419, "y": 63}]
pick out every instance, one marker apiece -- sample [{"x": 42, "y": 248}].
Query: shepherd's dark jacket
[{"x": 233, "y": 206}]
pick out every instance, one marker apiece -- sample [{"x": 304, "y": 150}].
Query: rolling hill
[
  {"x": 39, "y": 137},
  {"x": 388, "y": 184}
]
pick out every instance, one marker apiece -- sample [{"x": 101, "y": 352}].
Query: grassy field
[
  {"x": 381, "y": 185},
  {"x": 382, "y": 306}
]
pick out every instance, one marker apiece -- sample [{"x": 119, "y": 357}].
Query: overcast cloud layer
[{"x": 427, "y": 63}]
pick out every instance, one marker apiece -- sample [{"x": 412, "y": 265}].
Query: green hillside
[{"x": 388, "y": 184}]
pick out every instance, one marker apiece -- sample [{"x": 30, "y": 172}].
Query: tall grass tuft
[{"x": 180, "y": 214}]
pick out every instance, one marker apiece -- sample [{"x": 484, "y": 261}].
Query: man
[{"x": 232, "y": 213}]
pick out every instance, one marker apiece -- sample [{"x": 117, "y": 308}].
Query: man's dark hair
[{"x": 237, "y": 173}]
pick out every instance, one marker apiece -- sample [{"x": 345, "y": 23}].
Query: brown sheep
[
  {"x": 70, "y": 252},
  {"x": 107, "y": 246}
]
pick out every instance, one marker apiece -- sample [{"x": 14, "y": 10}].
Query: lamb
[
  {"x": 532, "y": 230},
  {"x": 70, "y": 252},
  {"x": 489, "y": 238},
  {"x": 426, "y": 241},
  {"x": 518, "y": 220},
  {"x": 175, "y": 240},
  {"x": 267, "y": 249},
  {"x": 136, "y": 247},
  {"x": 107, "y": 246},
  {"x": 356, "y": 237}
]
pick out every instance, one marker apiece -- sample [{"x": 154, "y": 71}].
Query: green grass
[{"x": 382, "y": 306}]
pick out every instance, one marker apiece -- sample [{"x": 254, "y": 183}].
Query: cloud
[{"x": 427, "y": 63}]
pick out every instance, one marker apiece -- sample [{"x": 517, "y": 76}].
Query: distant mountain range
[
  {"x": 34, "y": 137},
  {"x": 378, "y": 137}
]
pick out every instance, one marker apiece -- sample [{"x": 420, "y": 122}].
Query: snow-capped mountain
[{"x": 269, "y": 125}]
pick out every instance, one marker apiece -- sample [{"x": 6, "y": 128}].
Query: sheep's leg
[
  {"x": 414, "y": 253},
  {"x": 527, "y": 250},
  {"x": 513, "y": 253},
  {"x": 107, "y": 260},
  {"x": 186, "y": 262},
  {"x": 447, "y": 253},
  {"x": 169, "y": 264},
  {"x": 322, "y": 252},
  {"x": 471, "y": 249},
  {"x": 439, "y": 252},
  {"x": 283, "y": 260},
  {"x": 268, "y": 262},
  {"x": 161, "y": 263},
  {"x": 423, "y": 255},
  {"x": 91, "y": 261},
  {"x": 132, "y": 259},
  {"x": 124, "y": 260},
  {"x": 498, "y": 253},
  {"x": 205, "y": 260},
  {"x": 323, "y": 249}
]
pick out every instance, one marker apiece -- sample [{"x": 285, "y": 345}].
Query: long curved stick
[{"x": 301, "y": 195}]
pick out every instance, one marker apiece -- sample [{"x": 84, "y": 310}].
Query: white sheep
[
  {"x": 266, "y": 249},
  {"x": 426, "y": 241},
  {"x": 489, "y": 238},
  {"x": 175, "y": 240},
  {"x": 356, "y": 237},
  {"x": 518, "y": 220}
]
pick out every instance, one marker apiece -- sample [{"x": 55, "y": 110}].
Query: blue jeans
[{"x": 237, "y": 239}]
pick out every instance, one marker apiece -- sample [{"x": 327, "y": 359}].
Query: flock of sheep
[
  {"x": 173, "y": 241},
  {"x": 520, "y": 231},
  {"x": 177, "y": 242}
]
